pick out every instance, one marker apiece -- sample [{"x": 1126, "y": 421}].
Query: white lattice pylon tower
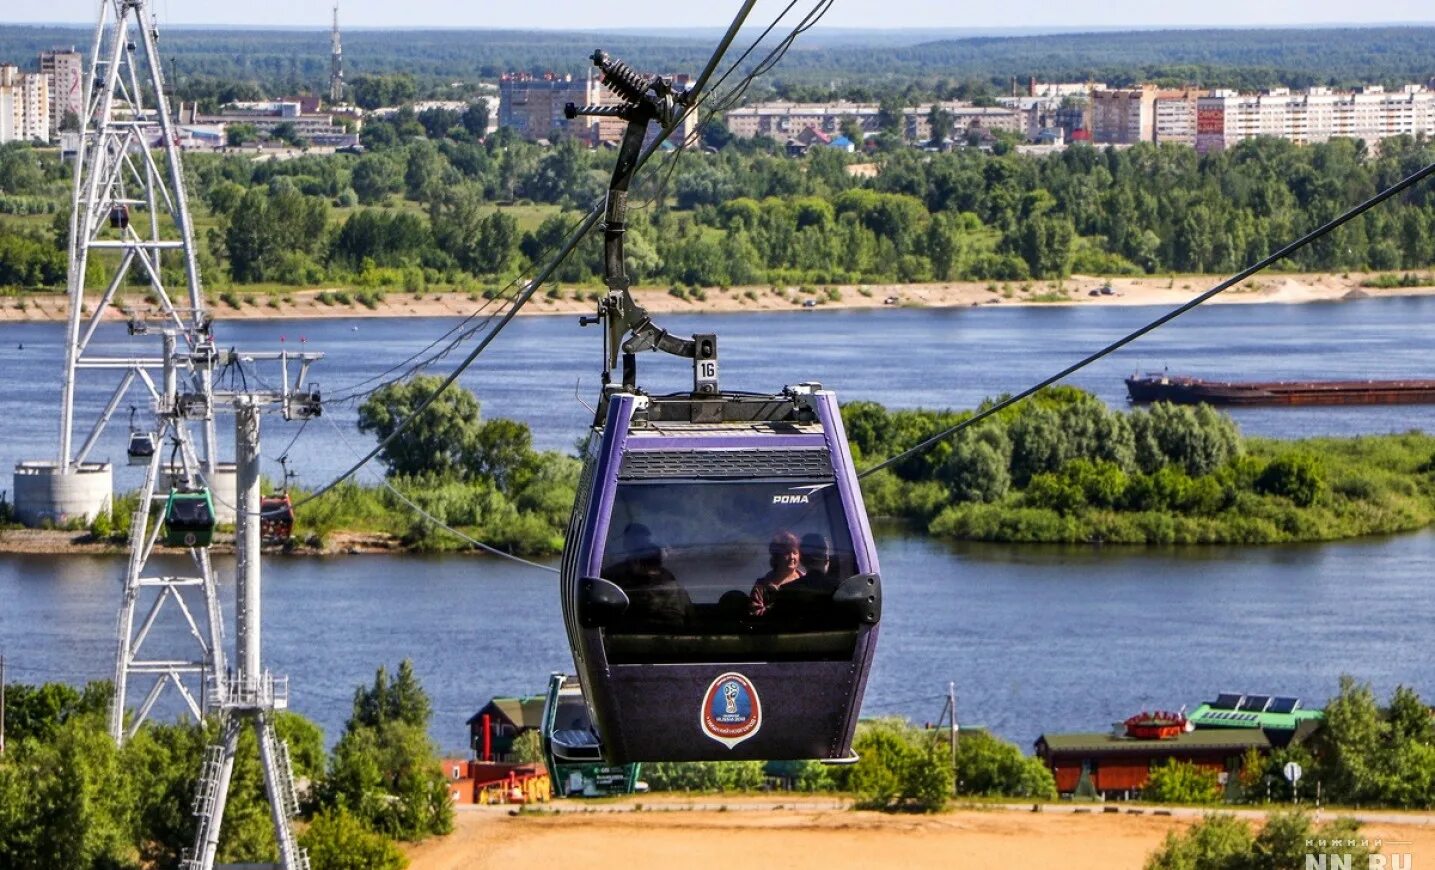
[
  {"x": 128, "y": 210},
  {"x": 129, "y": 217},
  {"x": 191, "y": 669}
]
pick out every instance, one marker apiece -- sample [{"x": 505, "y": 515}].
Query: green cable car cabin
[{"x": 189, "y": 518}]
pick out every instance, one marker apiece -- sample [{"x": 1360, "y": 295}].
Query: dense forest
[
  {"x": 286, "y": 61},
  {"x": 430, "y": 206}
]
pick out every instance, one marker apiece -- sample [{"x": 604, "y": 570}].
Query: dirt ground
[
  {"x": 668, "y": 835},
  {"x": 1073, "y": 291}
]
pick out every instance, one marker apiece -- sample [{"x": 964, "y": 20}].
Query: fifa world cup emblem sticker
[{"x": 731, "y": 711}]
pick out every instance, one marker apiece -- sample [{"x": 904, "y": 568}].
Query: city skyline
[{"x": 1029, "y": 15}]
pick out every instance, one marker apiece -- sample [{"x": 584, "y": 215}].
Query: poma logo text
[
  {"x": 1398, "y": 861},
  {"x": 791, "y": 499}
]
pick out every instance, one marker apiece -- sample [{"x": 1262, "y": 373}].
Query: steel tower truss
[
  {"x": 150, "y": 593},
  {"x": 128, "y": 209},
  {"x": 129, "y": 217}
]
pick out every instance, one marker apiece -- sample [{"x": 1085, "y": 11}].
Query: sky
[{"x": 619, "y": 14}]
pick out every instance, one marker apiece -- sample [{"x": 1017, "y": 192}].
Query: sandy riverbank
[
  {"x": 801, "y": 838},
  {"x": 46, "y": 542},
  {"x": 1285, "y": 288}
]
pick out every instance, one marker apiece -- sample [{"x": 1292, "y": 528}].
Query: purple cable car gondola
[{"x": 719, "y": 581}]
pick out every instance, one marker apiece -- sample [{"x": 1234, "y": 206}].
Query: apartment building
[
  {"x": 1225, "y": 118},
  {"x": 783, "y": 120},
  {"x": 66, "y": 71},
  {"x": 1123, "y": 116},
  {"x": 1174, "y": 116},
  {"x": 24, "y": 106},
  {"x": 532, "y": 106}
]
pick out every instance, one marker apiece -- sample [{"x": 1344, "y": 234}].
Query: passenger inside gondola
[
  {"x": 728, "y": 569},
  {"x": 785, "y": 571},
  {"x": 654, "y": 596},
  {"x": 804, "y": 597}
]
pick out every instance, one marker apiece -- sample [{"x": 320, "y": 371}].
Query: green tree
[
  {"x": 1223, "y": 842},
  {"x": 1181, "y": 782},
  {"x": 899, "y": 768},
  {"x": 940, "y": 120},
  {"x": 438, "y": 441},
  {"x": 375, "y": 177},
  {"x": 475, "y": 119},
  {"x": 1217, "y": 842},
  {"x": 1298, "y": 478},
  {"x": 991, "y": 767},
  {"x": 707, "y": 776},
  {"x": 239, "y": 135},
  {"x": 385, "y": 769},
  {"x": 338, "y": 841}
]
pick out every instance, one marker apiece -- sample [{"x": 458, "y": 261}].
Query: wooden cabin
[{"x": 1118, "y": 764}]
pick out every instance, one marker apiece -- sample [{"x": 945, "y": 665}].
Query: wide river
[{"x": 1035, "y": 638}]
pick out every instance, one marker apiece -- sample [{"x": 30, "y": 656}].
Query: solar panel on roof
[
  {"x": 1227, "y": 701},
  {"x": 1257, "y": 703},
  {"x": 1283, "y": 705}
]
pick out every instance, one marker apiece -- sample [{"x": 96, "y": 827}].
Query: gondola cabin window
[{"x": 729, "y": 571}]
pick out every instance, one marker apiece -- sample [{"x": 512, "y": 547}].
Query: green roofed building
[
  {"x": 1283, "y": 719},
  {"x": 493, "y": 729}
]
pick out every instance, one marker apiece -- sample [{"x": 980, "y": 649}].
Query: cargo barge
[{"x": 1183, "y": 390}]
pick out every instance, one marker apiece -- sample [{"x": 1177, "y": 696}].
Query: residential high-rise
[
  {"x": 532, "y": 106},
  {"x": 1123, "y": 116},
  {"x": 67, "y": 85},
  {"x": 1225, "y": 118},
  {"x": 24, "y": 106}
]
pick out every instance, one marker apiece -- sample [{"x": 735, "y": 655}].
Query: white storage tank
[{"x": 46, "y": 495}]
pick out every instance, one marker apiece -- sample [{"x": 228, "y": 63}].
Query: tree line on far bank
[
  {"x": 1063, "y": 467},
  {"x": 430, "y": 205}
]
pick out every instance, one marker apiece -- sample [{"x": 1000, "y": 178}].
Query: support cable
[
  {"x": 587, "y": 224},
  {"x": 418, "y": 509},
  {"x": 351, "y": 392},
  {"x": 1324, "y": 229}
]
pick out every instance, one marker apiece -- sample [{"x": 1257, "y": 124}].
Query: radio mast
[{"x": 336, "y": 63}]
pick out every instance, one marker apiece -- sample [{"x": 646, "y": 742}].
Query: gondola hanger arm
[{"x": 627, "y": 325}]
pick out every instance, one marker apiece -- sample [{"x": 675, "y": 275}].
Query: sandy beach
[
  {"x": 799, "y": 836},
  {"x": 1078, "y": 290}
]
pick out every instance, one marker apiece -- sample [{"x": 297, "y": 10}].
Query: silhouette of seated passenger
[
  {"x": 799, "y": 587},
  {"x": 655, "y": 599}
]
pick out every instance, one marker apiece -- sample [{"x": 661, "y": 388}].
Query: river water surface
[{"x": 1036, "y": 638}]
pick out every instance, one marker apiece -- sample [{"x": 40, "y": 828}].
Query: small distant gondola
[
  {"x": 140, "y": 449},
  {"x": 276, "y": 518},
  {"x": 119, "y": 217},
  {"x": 141, "y": 444},
  {"x": 189, "y": 518}
]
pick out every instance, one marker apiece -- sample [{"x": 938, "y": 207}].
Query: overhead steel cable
[
  {"x": 1324, "y": 229},
  {"x": 416, "y": 361},
  {"x": 725, "y": 101},
  {"x": 419, "y": 509},
  {"x": 542, "y": 277}
]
